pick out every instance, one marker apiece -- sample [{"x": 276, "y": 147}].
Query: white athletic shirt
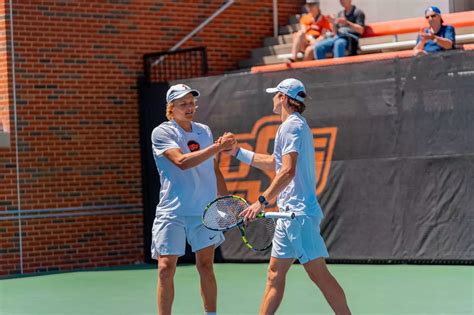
[
  {"x": 183, "y": 192},
  {"x": 299, "y": 196}
]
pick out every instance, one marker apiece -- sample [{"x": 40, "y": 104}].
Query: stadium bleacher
[{"x": 381, "y": 37}]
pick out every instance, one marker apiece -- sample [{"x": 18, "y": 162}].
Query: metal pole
[
  {"x": 275, "y": 18},
  {"x": 20, "y": 234}
]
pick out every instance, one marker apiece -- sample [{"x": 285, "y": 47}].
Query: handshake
[{"x": 227, "y": 144}]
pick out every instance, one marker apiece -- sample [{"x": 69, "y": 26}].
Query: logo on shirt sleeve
[{"x": 193, "y": 146}]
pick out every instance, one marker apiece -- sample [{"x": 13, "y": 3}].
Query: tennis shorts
[
  {"x": 299, "y": 238},
  {"x": 170, "y": 232}
]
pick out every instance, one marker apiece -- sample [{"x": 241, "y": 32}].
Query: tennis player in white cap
[
  {"x": 294, "y": 186},
  {"x": 190, "y": 178}
]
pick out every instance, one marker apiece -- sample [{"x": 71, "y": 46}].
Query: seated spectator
[
  {"x": 349, "y": 26},
  {"x": 436, "y": 37},
  {"x": 314, "y": 26}
]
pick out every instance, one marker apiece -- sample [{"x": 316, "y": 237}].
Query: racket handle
[{"x": 277, "y": 215}]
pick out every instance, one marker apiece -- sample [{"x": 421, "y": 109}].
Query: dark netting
[
  {"x": 223, "y": 213},
  {"x": 397, "y": 181},
  {"x": 175, "y": 65}
]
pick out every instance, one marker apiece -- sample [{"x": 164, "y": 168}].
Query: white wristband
[{"x": 245, "y": 156}]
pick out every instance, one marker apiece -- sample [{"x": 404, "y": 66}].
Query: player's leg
[
  {"x": 332, "y": 291},
  {"x": 165, "y": 287},
  {"x": 204, "y": 265},
  {"x": 282, "y": 257},
  {"x": 311, "y": 250},
  {"x": 275, "y": 287},
  {"x": 203, "y": 242},
  {"x": 168, "y": 243}
]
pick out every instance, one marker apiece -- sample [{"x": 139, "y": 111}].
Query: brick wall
[
  {"x": 76, "y": 65},
  {"x": 9, "y": 254}
]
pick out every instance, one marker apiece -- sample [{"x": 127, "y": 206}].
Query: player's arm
[
  {"x": 264, "y": 162},
  {"x": 281, "y": 180},
  {"x": 284, "y": 176},
  {"x": 188, "y": 160},
  {"x": 221, "y": 185}
]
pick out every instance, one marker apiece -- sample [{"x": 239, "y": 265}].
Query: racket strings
[
  {"x": 224, "y": 213},
  {"x": 259, "y": 233}
]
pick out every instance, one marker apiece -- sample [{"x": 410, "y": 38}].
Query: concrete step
[
  {"x": 249, "y": 63},
  {"x": 265, "y": 60},
  {"x": 271, "y": 50},
  {"x": 282, "y": 39},
  {"x": 270, "y": 60},
  {"x": 288, "y": 29}
]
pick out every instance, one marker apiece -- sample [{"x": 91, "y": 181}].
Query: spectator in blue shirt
[{"x": 437, "y": 37}]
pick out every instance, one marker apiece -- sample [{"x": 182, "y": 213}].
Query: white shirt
[
  {"x": 183, "y": 192},
  {"x": 299, "y": 196}
]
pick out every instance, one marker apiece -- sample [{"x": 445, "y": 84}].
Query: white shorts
[
  {"x": 300, "y": 239},
  {"x": 170, "y": 232}
]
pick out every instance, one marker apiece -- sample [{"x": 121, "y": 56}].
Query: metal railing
[
  {"x": 177, "y": 64},
  {"x": 180, "y": 64},
  {"x": 203, "y": 24}
]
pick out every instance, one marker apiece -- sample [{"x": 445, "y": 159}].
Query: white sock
[{"x": 210, "y": 313}]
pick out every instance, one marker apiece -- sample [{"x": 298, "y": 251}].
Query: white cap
[
  {"x": 290, "y": 87},
  {"x": 178, "y": 91}
]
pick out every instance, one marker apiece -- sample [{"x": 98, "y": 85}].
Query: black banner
[{"x": 394, "y": 141}]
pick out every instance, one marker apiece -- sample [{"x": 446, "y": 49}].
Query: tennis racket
[{"x": 223, "y": 213}]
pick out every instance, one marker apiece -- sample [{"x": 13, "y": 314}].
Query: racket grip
[{"x": 279, "y": 215}]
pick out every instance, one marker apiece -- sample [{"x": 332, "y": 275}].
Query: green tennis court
[{"x": 371, "y": 289}]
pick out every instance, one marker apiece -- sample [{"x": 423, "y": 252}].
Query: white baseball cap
[
  {"x": 178, "y": 91},
  {"x": 290, "y": 87}
]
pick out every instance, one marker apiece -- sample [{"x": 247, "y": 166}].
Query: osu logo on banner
[{"x": 261, "y": 139}]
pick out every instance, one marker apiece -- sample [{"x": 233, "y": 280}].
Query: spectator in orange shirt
[{"x": 314, "y": 26}]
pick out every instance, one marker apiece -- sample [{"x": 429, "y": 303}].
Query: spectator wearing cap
[
  {"x": 349, "y": 26},
  {"x": 313, "y": 27},
  {"x": 437, "y": 37}
]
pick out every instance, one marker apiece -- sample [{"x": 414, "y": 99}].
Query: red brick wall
[
  {"x": 77, "y": 63},
  {"x": 9, "y": 255}
]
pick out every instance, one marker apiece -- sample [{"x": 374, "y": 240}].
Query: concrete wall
[
  {"x": 462, "y": 5},
  {"x": 385, "y": 10}
]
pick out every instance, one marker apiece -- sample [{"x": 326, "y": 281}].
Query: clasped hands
[{"x": 228, "y": 143}]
